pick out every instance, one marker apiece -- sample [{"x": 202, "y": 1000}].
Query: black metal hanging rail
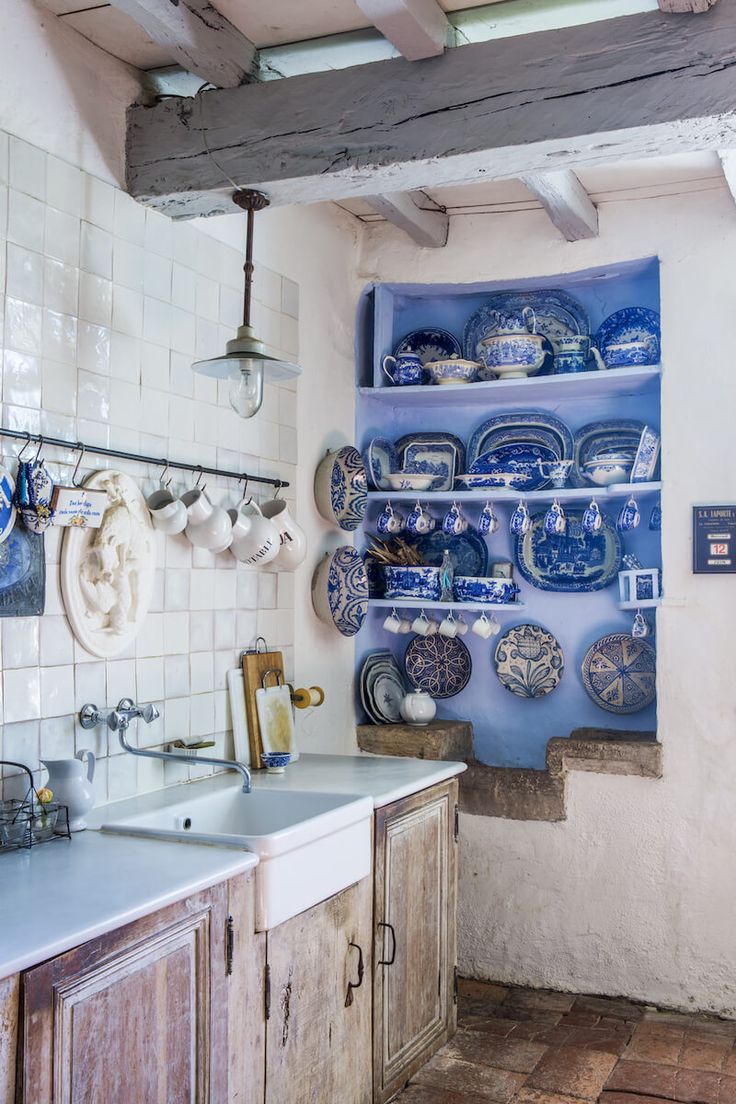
[{"x": 119, "y": 454}]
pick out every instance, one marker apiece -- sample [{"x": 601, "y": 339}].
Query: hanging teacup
[
  {"x": 554, "y": 519},
  {"x": 628, "y": 517},
  {"x": 388, "y": 521},
  {"x": 454, "y": 523},
  {"x": 488, "y": 522},
  {"x": 655, "y": 518},
  {"x": 641, "y": 626},
  {"x": 520, "y": 521},
  {"x": 592, "y": 518}
]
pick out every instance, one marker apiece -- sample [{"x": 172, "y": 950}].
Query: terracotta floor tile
[
  {"x": 701, "y": 1055},
  {"x": 526, "y": 1095},
  {"x": 520, "y": 1056},
  {"x": 712, "y": 1025},
  {"x": 490, "y": 1025},
  {"x": 729, "y": 1063},
  {"x": 573, "y": 1071},
  {"x": 696, "y": 1087},
  {"x": 611, "y": 1006},
  {"x": 675, "y": 1019},
  {"x": 727, "y": 1090},
  {"x": 464, "y": 1077},
  {"x": 650, "y": 1078},
  {"x": 533, "y": 1015},
  {"x": 541, "y": 999},
  {"x": 628, "y": 1098},
  {"x": 542, "y": 1033},
  {"x": 648, "y": 1047},
  {"x": 486, "y": 991},
  {"x": 426, "y": 1094},
  {"x": 599, "y": 1038},
  {"x": 579, "y": 1017}
]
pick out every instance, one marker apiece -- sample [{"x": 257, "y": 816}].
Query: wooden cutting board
[{"x": 255, "y": 664}]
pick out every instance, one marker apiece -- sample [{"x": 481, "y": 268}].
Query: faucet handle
[
  {"x": 90, "y": 716},
  {"x": 149, "y": 713}
]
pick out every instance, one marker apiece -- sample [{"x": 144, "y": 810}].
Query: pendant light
[{"x": 246, "y": 360}]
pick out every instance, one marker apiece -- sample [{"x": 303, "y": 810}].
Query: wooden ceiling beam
[
  {"x": 198, "y": 38},
  {"x": 416, "y": 214},
  {"x": 417, "y": 28},
  {"x": 494, "y": 110},
  {"x": 567, "y": 203}
]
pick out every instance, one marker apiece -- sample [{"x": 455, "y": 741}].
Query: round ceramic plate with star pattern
[{"x": 619, "y": 673}]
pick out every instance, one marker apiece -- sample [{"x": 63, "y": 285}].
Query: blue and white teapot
[{"x": 407, "y": 369}]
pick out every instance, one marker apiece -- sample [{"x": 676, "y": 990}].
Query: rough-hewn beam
[
  {"x": 417, "y": 28},
  {"x": 416, "y": 214},
  {"x": 199, "y": 38},
  {"x": 493, "y": 110},
  {"x": 685, "y": 5},
  {"x": 566, "y": 202}
]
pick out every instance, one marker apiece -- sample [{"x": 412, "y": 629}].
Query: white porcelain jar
[{"x": 418, "y": 708}]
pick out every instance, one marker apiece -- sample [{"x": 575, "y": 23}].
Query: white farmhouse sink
[{"x": 310, "y": 845}]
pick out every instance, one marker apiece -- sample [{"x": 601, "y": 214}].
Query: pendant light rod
[{"x": 249, "y": 201}]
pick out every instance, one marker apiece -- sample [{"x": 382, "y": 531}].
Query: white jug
[{"x": 70, "y": 787}]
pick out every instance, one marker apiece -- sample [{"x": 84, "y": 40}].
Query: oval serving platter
[
  {"x": 574, "y": 562},
  {"x": 525, "y": 425},
  {"x": 619, "y": 673}
]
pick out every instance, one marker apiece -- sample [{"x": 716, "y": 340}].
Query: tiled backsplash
[{"x": 106, "y": 304}]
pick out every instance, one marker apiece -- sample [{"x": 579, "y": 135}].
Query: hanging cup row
[
  {"x": 390, "y": 522},
  {"x": 450, "y": 626}
]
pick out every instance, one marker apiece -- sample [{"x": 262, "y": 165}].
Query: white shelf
[
  {"x": 647, "y": 603},
  {"x": 496, "y": 494},
  {"x": 579, "y": 385},
  {"x": 417, "y": 603}
]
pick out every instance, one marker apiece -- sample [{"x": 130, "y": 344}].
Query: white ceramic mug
[
  {"x": 404, "y": 625},
  {"x": 422, "y": 625},
  {"x": 392, "y": 623},
  {"x": 482, "y": 627},
  {"x": 261, "y": 543},
  {"x": 293, "y": 542},
  {"x": 168, "y": 514},
  {"x": 448, "y": 626},
  {"x": 462, "y": 625},
  {"x": 208, "y": 526}
]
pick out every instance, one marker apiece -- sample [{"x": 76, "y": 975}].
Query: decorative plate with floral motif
[{"x": 529, "y": 661}]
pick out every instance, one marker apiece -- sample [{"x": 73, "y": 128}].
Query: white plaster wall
[{"x": 633, "y": 893}]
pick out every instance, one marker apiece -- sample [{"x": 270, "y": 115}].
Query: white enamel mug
[
  {"x": 293, "y": 542},
  {"x": 448, "y": 626}
]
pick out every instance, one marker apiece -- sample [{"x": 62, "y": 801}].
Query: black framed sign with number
[{"x": 714, "y": 540}]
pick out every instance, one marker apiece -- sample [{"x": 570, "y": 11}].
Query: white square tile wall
[{"x": 103, "y": 306}]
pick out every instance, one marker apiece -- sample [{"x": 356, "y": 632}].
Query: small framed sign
[{"x": 714, "y": 540}]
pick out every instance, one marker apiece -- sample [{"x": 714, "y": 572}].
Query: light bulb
[{"x": 245, "y": 387}]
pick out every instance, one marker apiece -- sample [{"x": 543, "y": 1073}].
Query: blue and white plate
[
  {"x": 529, "y": 661},
  {"x": 440, "y": 665},
  {"x": 340, "y": 590},
  {"x": 468, "y": 551},
  {"x": 524, "y": 426},
  {"x": 558, "y": 317},
  {"x": 647, "y": 454},
  {"x": 419, "y": 452},
  {"x": 629, "y": 324},
  {"x": 430, "y": 345},
  {"x": 574, "y": 561},
  {"x": 380, "y": 459},
  {"x": 340, "y": 488},
  {"x": 520, "y": 456},
  {"x": 596, "y": 440},
  {"x": 619, "y": 673}
]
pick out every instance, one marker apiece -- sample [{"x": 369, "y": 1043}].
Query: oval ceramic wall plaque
[{"x": 107, "y": 573}]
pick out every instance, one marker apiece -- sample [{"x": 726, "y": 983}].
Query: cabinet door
[
  {"x": 414, "y": 1009},
  {"x": 142, "y": 1014},
  {"x": 318, "y": 1031},
  {"x": 9, "y": 990}
]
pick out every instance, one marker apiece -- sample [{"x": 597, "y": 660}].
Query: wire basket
[{"x": 27, "y": 822}]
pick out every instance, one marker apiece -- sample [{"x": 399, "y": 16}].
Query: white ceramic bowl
[{"x": 409, "y": 481}]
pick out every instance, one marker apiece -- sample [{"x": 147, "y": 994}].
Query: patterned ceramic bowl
[
  {"x": 452, "y": 370},
  {"x": 340, "y": 590},
  {"x": 275, "y": 761},
  {"x": 469, "y": 588},
  {"x": 340, "y": 488},
  {"x": 605, "y": 471},
  {"x": 413, "y": 582}
]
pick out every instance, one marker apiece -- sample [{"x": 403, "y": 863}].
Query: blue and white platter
[
  {"x": 558, "y": 316},
  {"x": 468, "y": 551},
  {"x": 529, "y": 661},
  {"x": 340, "y": 590},
  {"x": 647, "y": 454},
  {"x": 573, "y": 562},
  {"x": 529, "y": 426},
  {"x": 629, "y": 324},
  {"x": 596, "y": 440},
  {"x": 619, "y": 673},
  {"x": 522, "y": 457},
  {"x": 340, "y": 488},
  {"x": 440, "y": 665},
  {"x": 430, "y": 345}
]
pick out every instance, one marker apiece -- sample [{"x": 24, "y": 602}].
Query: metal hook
[
  {"x": 277, "y": 486},
  {"x": 25, "y": 446},
  {"x": 200, "y": 469},
  {"x": 81, "y": 448},
  {"x": 38, "y": 450},
  {"x": 244, "y": 480},
  {"x": 162, "y": 478}
]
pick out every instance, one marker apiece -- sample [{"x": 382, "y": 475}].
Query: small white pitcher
[{"x": 72, "y": 786}]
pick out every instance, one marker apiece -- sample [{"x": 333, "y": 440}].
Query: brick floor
[{"x": 525, "y": 1046}]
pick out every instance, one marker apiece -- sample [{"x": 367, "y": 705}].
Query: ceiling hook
[
  {"x": 26, "y": 444},
  {"x": 82, "y": 450}
]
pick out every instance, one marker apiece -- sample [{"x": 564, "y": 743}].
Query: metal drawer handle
[
  {"x": 355, "y": 984},
  {"x": 388, "y": 961}
]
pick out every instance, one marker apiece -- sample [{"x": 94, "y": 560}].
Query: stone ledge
[
  {"x": 437, "y": 740},
  {"x": 607, "y": 753},
  {"x": 515, "y": 793}
]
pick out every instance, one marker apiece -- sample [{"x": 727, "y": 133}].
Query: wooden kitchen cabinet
[
  {"x": 167, "y": 1009},
  {"x": 318, "y": 1030},
  {"x": 414, "y": 1003}
]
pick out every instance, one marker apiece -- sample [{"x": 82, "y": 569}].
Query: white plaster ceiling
[{"x": 627, "y": 181}]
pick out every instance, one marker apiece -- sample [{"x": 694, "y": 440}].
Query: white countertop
[{"x": 57, "y": 895}]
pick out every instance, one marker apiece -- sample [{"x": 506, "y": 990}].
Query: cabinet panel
[
  {"x": 415, "y": 901},
  {"x": 318, "y": 1034},
  {"x": 9, "y": 993},
  {"x": 141, "y": 1013}
]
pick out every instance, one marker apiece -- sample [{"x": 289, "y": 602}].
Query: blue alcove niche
[{"x": 510, "y": 731}]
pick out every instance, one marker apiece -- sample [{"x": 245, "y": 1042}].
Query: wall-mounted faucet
[{"x": 118, "y": 720}]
